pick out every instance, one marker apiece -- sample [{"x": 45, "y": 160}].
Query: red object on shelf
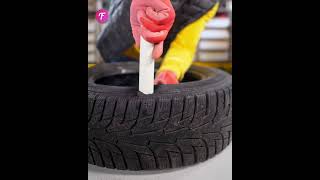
[{"x": 222, "y": 14}]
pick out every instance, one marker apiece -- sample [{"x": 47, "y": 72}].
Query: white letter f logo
[{"x": 101, "y": 15}]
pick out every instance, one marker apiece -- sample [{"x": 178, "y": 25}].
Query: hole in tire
[{"x": 132, "y": 80}]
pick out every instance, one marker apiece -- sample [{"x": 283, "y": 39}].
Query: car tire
[{"x": 178, "y": 125}]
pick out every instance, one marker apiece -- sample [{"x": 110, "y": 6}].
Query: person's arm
[{"x": 182, "y": 50}]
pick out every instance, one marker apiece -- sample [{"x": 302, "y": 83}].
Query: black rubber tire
[{"x": 178, "y": 125}]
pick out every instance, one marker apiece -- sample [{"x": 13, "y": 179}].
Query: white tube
[{"x": 146, "y": 67}]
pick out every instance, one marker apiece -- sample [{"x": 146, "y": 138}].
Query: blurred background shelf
[{"x": 215, "y": 46}]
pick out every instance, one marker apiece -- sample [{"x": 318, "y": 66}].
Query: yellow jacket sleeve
[{"x": 182, "y": 50}]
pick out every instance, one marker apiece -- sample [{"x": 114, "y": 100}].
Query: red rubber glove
[
  {"x": 152, "y": 19},
  {"x": 166, "y": 77}
]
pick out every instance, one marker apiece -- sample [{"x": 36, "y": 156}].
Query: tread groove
[
  {"x": 195, "y": 109},
  {"x": 217, "y": 107},
  {"x": 92, "y": 157},
  {"x": 104, "y": 106},
  {"x": 125, "y": 113},
  {"x": 113, "y": 112},
  {"x": 229, "y": 137},
  {"x": 123, "y": 157},
  {"x": 112, "y": 160},
  {"x": 154, "y": 111},
  {"x": 139, "y": 160},
  {"x": 100, "y": 153},
  {"x": 155, "y": 158},
  {"x": 169, "y": 159},
  {"x": 207, "y": 148},
  {"x": 136, "y": 121},
  {"x": 181, "y": 155},
  {"x": 170, "y": 117},
  {"x": 92, "y": 109},
  {"x": 195, "y": 155},
  {"x": 207, "y": 104},
  {"x": 183, "y": 109}
]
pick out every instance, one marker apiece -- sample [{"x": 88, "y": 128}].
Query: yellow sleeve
[{"x": 182, "y": 50}]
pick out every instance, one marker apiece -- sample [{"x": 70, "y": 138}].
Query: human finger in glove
[{"x": 151, "y": 19}]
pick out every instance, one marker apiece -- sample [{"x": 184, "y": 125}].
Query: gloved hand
[
  {"x": 182, "y": 51},
  {"x": 151, "y": 19},
  {"x": 166, "y": 77}
]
